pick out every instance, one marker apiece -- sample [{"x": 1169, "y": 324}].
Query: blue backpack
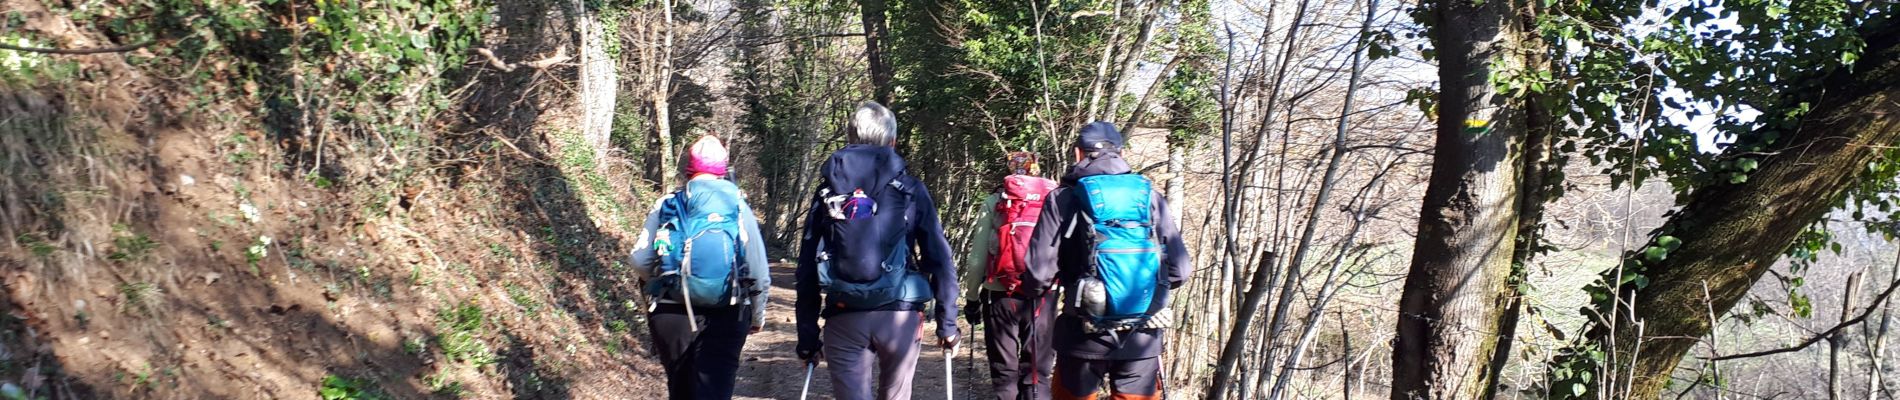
[
  {"x": 864, "y": 250},
  {"x": 700, "y": 245},
  {"x": 1126, "y": 254}
]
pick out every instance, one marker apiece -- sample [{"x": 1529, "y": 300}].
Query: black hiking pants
[
  {"x": 699, "y": 365},
  {"x": 1084, "y": 379},
  {"x": 1017, "y": 334}
]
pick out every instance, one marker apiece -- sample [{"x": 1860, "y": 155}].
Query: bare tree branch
[
  {"x": 117, "y": 49},
  {"x": 757, "y": 42},
  {"x": 560, "y": 56},
  {"x": 1824, "y": 334}
]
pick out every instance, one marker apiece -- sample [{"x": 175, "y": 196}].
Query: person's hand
[
  {"x": 973, "y": 311},
  {"x": 948, "y": 342},
  {"x": 811, "y": 355}
]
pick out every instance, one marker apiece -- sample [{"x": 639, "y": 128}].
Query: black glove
[
  {"x": 973, "y": 311},
  {"x": 810, "y": 352}
]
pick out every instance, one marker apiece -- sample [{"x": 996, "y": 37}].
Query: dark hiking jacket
[
  {"x": 864, "y": 166},
  {"x": 1054, "y": 258}
]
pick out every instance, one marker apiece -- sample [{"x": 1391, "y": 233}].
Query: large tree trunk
[
  {"x": 661, "y": 96},
  {"x": 1118, "y": 83},
  {"x": 1237, "y": 336},
  {"x": 1094, "y": 93},
  {"x": 1533, "y": 191},
  {"x": 1450, "y": 308},
  {"x": 599, "y": 83},
  {"x": 876, "y": 30},
  {"x": 1140, "y": 110},
  {"x": 1732, "y": 233}
]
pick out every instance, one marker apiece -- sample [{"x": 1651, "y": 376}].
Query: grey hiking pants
[
  {"x": 1017, "y": 333},
  {"x": 856, "y": 342}
]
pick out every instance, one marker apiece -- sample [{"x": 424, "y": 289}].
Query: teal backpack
[
  {"x": 1127, "y": 255},
  {"x": 700, "y": 245}
]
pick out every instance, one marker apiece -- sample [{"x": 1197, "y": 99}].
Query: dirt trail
[{"x": 772, "y": 370}]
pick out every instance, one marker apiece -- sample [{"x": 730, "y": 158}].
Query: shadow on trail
[{"x": 772, "y": 370}]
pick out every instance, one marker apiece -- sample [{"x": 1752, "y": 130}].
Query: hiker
[
  {"x": 1015, "y": 322},
  {"x": 703, "y": 259},
  {"x": 1108, "y": 239},
  {"x": 865, "y": 223}
]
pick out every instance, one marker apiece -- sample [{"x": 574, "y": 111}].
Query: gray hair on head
[{"x": 874, "y": 125}]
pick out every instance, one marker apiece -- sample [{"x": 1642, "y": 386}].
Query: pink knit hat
[{"x": 707, "y": 156}]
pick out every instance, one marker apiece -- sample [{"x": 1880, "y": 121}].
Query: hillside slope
[{"x": 176, "y": 229}]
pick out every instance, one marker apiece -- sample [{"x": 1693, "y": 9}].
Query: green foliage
[
  {"x": 317, "y": 179},
  {"x": 340, "y": 388},
  {"x": 36, "y": 244},
  {"x": 1012, "y": 66},
  {"x": 584, "y": 175},
  {"x": 1191, "y": 94},
  {"x": 443, "y": 386},
  {"x": 129, "y": 246},
  {"x": 617, "y": 326},
  {"x": 138, "y": 297},
  {"x": 1802, "y": 254},
  {"x": 27, "y": 68},
  {"x": 1719, "y": 60},
  {"x": 414, "y": 346},
  {"x": 1574, "y": 371},
  {"x": 522, "y": 299},
  {"x": 141, "y": 378},
  {"x": 1747, "y": 67},
  {"x": 254, "y": 255},
  {"x": 340, "y": 69},
  {"x": 460, "y": 331}
]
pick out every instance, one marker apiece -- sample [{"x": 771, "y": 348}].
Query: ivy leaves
[{"x": 1660, "y": 251}]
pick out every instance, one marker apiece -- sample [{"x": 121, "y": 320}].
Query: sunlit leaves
[{"x": 1190, "y": 92}]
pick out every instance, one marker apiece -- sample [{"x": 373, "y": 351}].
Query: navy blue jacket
[
  {"x": 864, "y": 166},
  {"x": 1054, "y": 258}
]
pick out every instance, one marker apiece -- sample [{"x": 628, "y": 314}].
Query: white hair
[{"x": 873, "y": 124}]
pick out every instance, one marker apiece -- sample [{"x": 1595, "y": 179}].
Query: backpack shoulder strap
[
  {"x": 817, "y": 203},
  {"x": 1080, "y": 214},
  {"x": 671, "y": 206}
]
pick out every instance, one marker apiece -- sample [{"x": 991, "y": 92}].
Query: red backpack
[{"x": 1019, "y": 208}]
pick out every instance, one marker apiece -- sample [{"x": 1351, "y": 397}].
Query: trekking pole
[
  {"x": 970, "y": 364},
  {"x": 1030, "y": 342},
  {"x": 983, "y": 306},
  {"x": 808, "y": 368},
  {"x": 949, "y": 381}
]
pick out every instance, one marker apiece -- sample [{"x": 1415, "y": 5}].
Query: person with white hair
[{"x": 855, "y": 269}]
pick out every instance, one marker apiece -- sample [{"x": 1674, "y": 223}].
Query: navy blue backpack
[{"x": 864, "y": 249}]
